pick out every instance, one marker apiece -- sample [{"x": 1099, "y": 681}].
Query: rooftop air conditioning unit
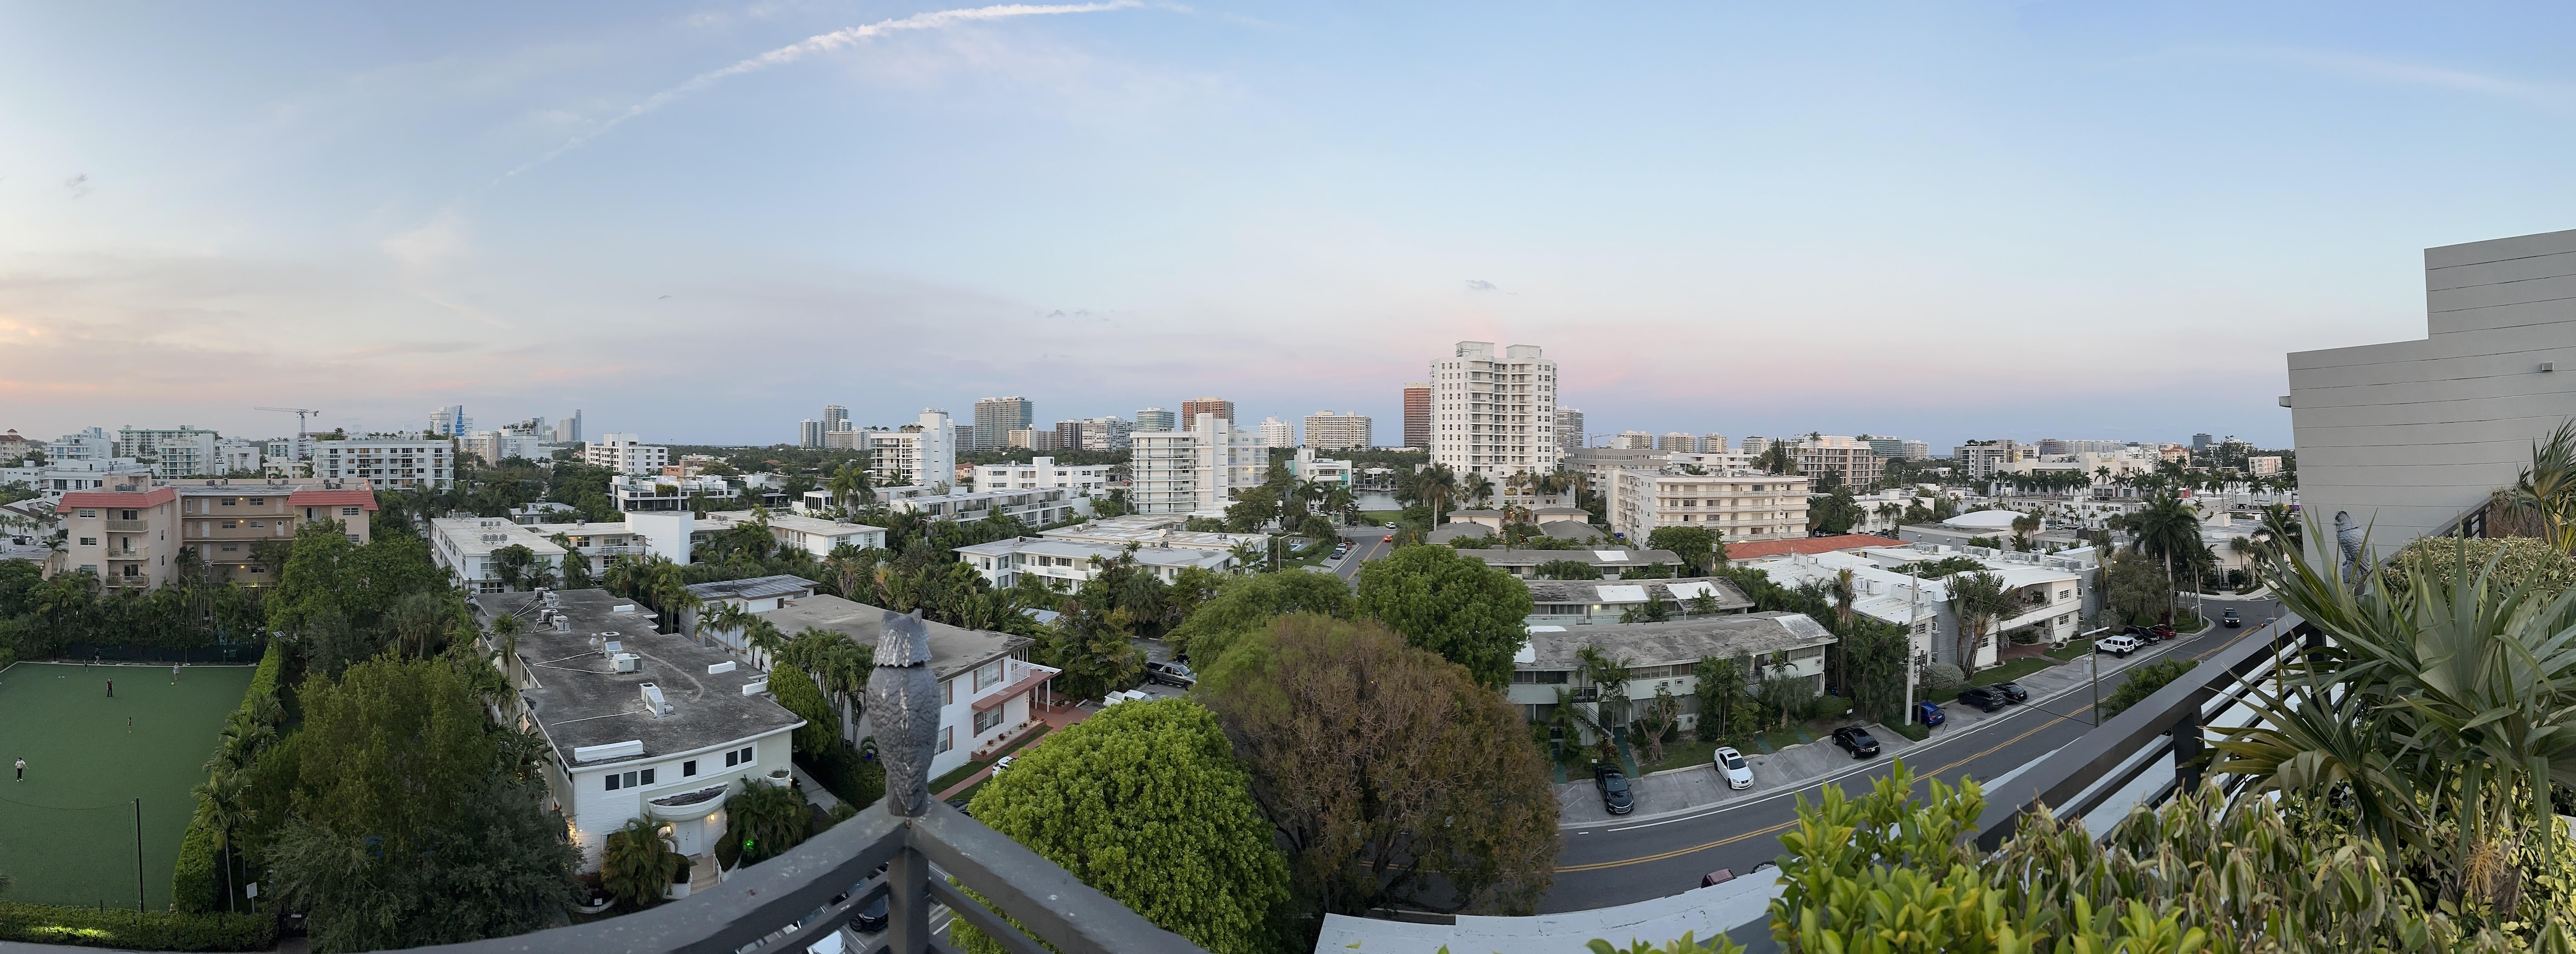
[
  {"x": 628, "y": 662},
  {"x": 563, "y": 624},
  {"x": 610, "y": 645},
  {"x": 653, "y": 701}
]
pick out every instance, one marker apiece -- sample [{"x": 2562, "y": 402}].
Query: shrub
[
  {"x": 853, "y": 780},
  {"x": 2143, "y": 681},
  {"x": 635, "y": 867},
  {"x": 766, "y": 820},
  {"x": 196, "y": 884},
  {"x": 2439, "y": 558},
  {"x": 150, "y": 931},
  {"x": 1939, "y": 677}
]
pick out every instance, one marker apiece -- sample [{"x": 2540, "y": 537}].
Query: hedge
[
  {"x": 196, "y": 884},
  {"x": 151, "y": 931}
]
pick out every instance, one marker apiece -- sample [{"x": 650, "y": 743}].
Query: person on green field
[
  {"x": 111, "y": 688},
  {"x": 22, "y": 770}
]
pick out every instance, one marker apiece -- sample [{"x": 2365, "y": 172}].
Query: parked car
[
  {"x": 1389, "y": 538},
  {"x": 1985, "y": 698},
  {"x": 2013, "y": 692},
  {"x": 2230, "y": 619},
  {"x": 1856, "y": 740},
  {"x": 1717, "y": 877},
  {"x": 1732, "y": 767},
  {"x": 1124, "y": 695},
  {"x": 1171, "y": 674},
  {"x": 871, "y": 917},
  {"x": 2163, "y": 631},
  {"x": 1931, "y": 714},
  {"x": 1002, "y": 763},
  {"x": 2121, "y": 645},
  {"x": 1614, "y": 789}
]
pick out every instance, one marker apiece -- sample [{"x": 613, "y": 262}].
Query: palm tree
[
  {"x": 1436, "y": 485},
  {"x": 2546, "y": 491},
  {"x": 1976, "y": 599},
  {"x": 2168, "y": 530},
  {"x": 636, "y": 867},
  {"x": 223, "y": 806},
  {"x": 1339, "y": 502},
  {"x": 1477, "y": 488}
]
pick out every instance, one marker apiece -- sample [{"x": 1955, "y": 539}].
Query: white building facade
[
  {"x": 922, "y": 453},
  {"x": 1494, "y": 413},
  {"x": 389, "y": 463},
  {"x": 1197, "y": 470},
  {"x": 1044, "y": 473},
  {"x": 626, "y": 454}
]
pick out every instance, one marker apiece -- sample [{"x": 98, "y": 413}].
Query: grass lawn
[
  {"x": 1685, "y": 752},
  {"x": 67, "y": 832},
  {"x": 1380, "y": 517},
  {"x": 1993, "y": 674},
  {"x": 2073, "y": 650}
]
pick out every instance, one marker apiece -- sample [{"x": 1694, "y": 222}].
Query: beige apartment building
[
  {"x": 1741, "y": 506},
  {"x": 1855, "y": 461},
  {"x": 132, "y": 535}
]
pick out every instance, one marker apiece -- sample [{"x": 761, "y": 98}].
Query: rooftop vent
[
  {"x": 628, "y": 662},
  {"x": 720, "y": 668},
  {"x": 653, "y": 701},
  {"x": 610, "y": 644}
]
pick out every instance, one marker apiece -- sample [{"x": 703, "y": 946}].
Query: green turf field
[{"x": 67, "y": 832}]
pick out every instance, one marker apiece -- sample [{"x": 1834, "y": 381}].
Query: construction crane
[{"x": 300, "y": 414}]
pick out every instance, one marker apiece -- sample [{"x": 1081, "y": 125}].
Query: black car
[
  {"x": 1171, "y": 674},
  {"x": 2012, "y": 691},
  {"x": 870, "y": 917},
  {"x": 2230, "y": 619},
  {"x": 1856, "y": 740},
  {"x": 1614, "y": 789},
  {"x": 1985, "y": 698}
]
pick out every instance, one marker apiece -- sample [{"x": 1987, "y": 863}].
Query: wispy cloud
[
  {"x": 2556, "y": 97},
  {"x": 825, "y": 43}
]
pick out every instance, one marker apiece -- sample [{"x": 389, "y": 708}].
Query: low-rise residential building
[
  {"x": 989, "y": 691},
  {"x": 53, "y": 479},
  {"x": 1064, "y": 565},
  {"x": 493, "y": 447},
  {"x": 655, "y": 492},
  {"x": 1521, "y": 562},
  {"x": 1740, "y": 505},
  {"x": 2050, "y": 593},
  {"x": 1661, "y": 656},
  {"x": 125, "y": 536},
  {"x": 1979, "y": 460},
  {"x": 1597, "y": 602},
  {"x": 133, "y": 534},
  {"x": 820, "y": 537},
  {"x": 1326, "y": 430},
  {"x": 1307, "y": 467},
  {"x": 1037, "y": 508},
  {"x": 638, "y": 723},
  {"x": 388, "y": 463},
  {"x": 88, "y": 443},
  {"x": 465, "y": 548},
  {"x": 173, "y": 453},
  {"x": 1770, "y": 548},
  {"x": 626, "y": 454},
  {"x": 1824, "y": 459},
  {"x": 1151, "y": 530},
  {"x": 1044, "y": 473}
]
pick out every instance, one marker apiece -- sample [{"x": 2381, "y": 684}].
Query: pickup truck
[{"x": 1614, "y": 789}]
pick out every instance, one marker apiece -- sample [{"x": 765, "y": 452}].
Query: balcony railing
[{"x": 129, "y": 526}]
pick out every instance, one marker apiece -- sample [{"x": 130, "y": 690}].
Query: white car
[
  {"x": 1002, "y": 763},
  {"x": 1730, "y": 763},
  {"x": 2121, "y": 645}
]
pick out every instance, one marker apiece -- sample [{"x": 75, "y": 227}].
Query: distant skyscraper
[
  {"x": 1569, "y": 429},
  {"x": 2199, "y": 442},
  {"x": 1326, "y": 430},
  {"x": 1222, "y": 408},
  {"x": 1633, "y": 440},
  {"x": 1713, "y": 444},
  {"x": 1417, "y": 415},
  {"x": 450, "y": 421},
  {"x": 1678, "y": 441},
  {"x": 1155, "y": 419},
  {"x": 809, "y": 434},
  {"x": 1274, "y": 432},
  {"x": 1502, "y": 405},
  {"x": 996, "y": 418},
  {"x": 568, "y": 430},
  {"x": 836, "y": 417}
]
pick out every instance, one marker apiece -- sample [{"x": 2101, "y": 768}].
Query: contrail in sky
[{"x": 825, "y": 43}]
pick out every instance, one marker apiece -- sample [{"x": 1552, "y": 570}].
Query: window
[
  {"x": 231, "y": 524},
  {"x": 232, "y": 547},
  {"x": 689, "y": 769},
  {"x": 89, "y": 513},
  {"x": 89, "y": 541},
  {"x": 648, "y": 776},
  {"x": 986, "y": 720},
  {"x": 232, "y": 501},
  {"x": 732, "y": 759},
  {"x": 987, "y": 676},
  {"x": 947, "y": 692},
  {"x": 348, "y": 511},
  {"x": 257, "y": 501},
  {"x": 947, "y": 737},
  {"x": 130, "y": 515}
]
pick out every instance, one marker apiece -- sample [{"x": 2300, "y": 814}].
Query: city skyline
[{"x": 2058, "y": 220}]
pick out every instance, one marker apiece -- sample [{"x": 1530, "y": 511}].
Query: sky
[{"x": 701, "y": 222}]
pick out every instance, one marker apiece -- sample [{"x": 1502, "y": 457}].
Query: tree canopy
[
  {"x": 1458, "y": 607},
  {"x": 1247, "y": 604},
  {"x": 1697, "y": 546},
  {"x": 1381, "y": 764},
  {"x": 1146, "y": 803}
]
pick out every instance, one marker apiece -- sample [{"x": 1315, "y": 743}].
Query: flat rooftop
[
  {"x": 580, "y": 700},
  {"x": 1621, "y": 592},
  {"x": 953, "y": 649},
  {"x": 1681, "y": 641}
]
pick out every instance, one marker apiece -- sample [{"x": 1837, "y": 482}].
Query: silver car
[{"x": 1731, "y": 765}]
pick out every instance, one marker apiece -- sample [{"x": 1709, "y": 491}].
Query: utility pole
[
  {"x": 2096, "y": 708},
  {"x": 138, "y": 856}
]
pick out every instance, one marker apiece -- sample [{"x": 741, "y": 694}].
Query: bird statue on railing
[{"x": 903, "y": 703}]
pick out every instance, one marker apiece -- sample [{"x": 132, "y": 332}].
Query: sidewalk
[{"x": 2062, "y": 689}]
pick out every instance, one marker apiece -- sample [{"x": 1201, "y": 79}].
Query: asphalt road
[
  {"x": 1367, "y": 543},
  {"x": 1619, "y": 862}
]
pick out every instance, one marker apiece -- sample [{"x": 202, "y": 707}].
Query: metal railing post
[
  {"x": 2187, "y": 746},
  {"x": 903, "y": 701}
]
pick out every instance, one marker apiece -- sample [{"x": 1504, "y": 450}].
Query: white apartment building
[
  {"x": 922, "y": 453},
  {"x": 2048, "y": 592},
  {"x": 1064, "y": 565},
  {"x": 1323, "y": 470},
  {"x": 646, "y": 492},
  {"x": 174, "y": 453},
  {"x": 1105, "y": 433},
  {"x": 1044, "y": 473},
  {"x": 820, "y": 537},
  {"x": 388, "y": 463},
  {"x": 1660, "y": 656},
  {"x": 1278, "y": 433},
  {"x": 463, "y": 546},
  {"x": 494, "y": 447},
  {"x": 626, "y": 454},
  {"x": 1980, "y": 461},
  {"x": 235, "y": 455},
  {"x": 89, "y": 443},
  {"x": 1326, "y": 430},
  {"x": 1037, "y": 508},
  {"x": 2399, "y": 440},
  {"x": 1742, "y": 506},
  {"x": 1194, "y": 471},
  {"x": 1494, "y": 414},
  {"x": 1855, "y": 462},
  {"x": 55, "y": 479},
  {"x": 1632, "y": 440},
  {"x": 639, "y": 723},
  {"x": 987, "y": 687}
]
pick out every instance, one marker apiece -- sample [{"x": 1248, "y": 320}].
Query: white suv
[{"x": 2121, "y": 645}]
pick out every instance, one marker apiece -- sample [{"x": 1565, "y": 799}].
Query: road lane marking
[{"x": 1731, "y": 839}]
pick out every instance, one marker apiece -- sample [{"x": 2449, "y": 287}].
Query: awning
[{"x": 1031, "y": 681}]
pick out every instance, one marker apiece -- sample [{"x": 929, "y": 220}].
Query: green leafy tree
[
  {"x": 636, "y": 866},
  {"x": 1695, "y": 545},
  {"x": 2143, "y": 681},
  {"x": 1565, "y": 570},
  {"x": 1146, "y": 803},
  {"x": 1458, "y": 607},
  {"x": 1246, "y": 604},
  {"x": 763, "y": 821},
  {"x": 1380, "y": 764},
  {"x": 797, "y": 691},
  {"x": 512, "y": 563},
  {"x": 1977, "y": 599}
]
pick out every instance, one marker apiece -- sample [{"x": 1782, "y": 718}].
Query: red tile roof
[
  {"x": 1848, "y": 541},
  {"x": 111, "y": 498},
  {"x": 332, "y": 498}
]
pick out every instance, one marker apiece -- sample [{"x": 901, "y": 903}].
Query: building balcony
[{"x": 129, "y": 526}]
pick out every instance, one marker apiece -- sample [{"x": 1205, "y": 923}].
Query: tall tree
[
  {"x": 1976, "y": 599},
  {"x": 1146, "y": 803},
  {"x": 1246, "y": 604},
  {"x": 1695, "y": 545},
  {"x": 1382, "y": 765},
  {"x": 1469, "y": 613}
]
